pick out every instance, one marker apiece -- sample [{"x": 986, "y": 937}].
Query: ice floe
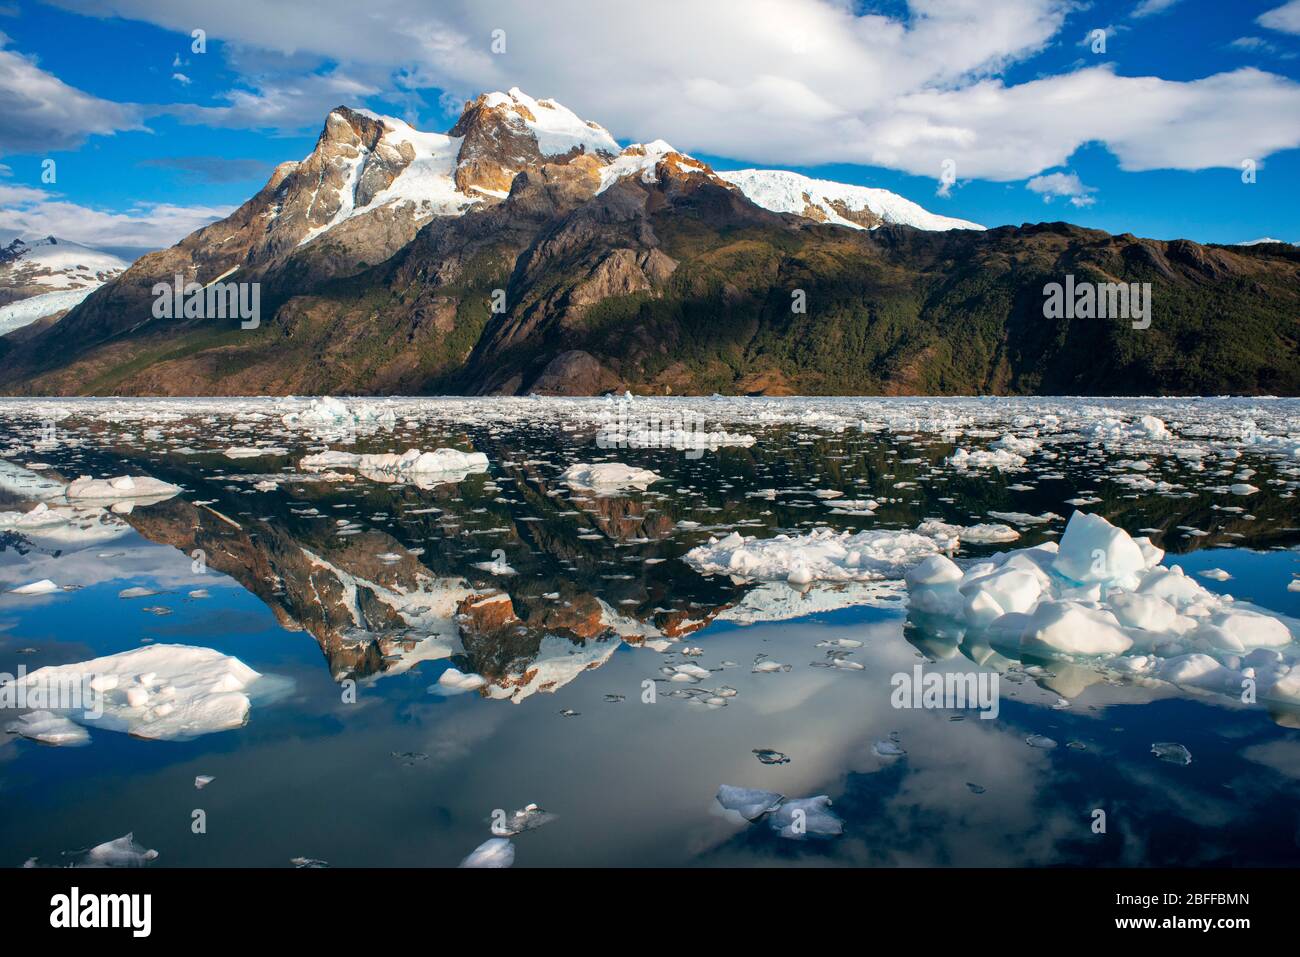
[
  {"x": 793, "y": 818},
  {"x": 412, "y": 462},
  {"x": 1100, "y": 595},
  {"x": 122, "y": 488},
  {"x": 159, "y": 691},
  {"x": 608, "y": 476},
  {"x": 494, "y": 852},
  {"x": 49, "y": 728},
  {"x": 822, "y": 555}
]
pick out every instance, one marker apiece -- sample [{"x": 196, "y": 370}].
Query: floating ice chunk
[
  {"x": 162, "y": 691},
  {"x": 888, "y": 749},
  {"x": 806, "y": 817},
  {"x": 768, "y": 756},
  {"x": 1172, "y": 752},
  {"x": 455, "y": 681},
  {"x": 989, "y": 533},
  {"x": 749, "y": 803},
  {"x": 122, "y": 852},
  {"x": 202, "y": 780},
  {"x": 1153, "y": 428},
  {"x": 1241, "y": 488},
  {"x": 526, "y": 818},
  {"x": 494, "y": 852},
  {"x": 1024, "y": 518},
  {"x": 49, "y": 728},
  {"x": 1000, "y": 459},
  {"x": 607, "y": 476},
  {"x": 412, "y": 462},
  {"x": 248, "y": 452},
  {"x": 1215, "y": 574},
  {"x": 1094, "y": 550},
  {"x": 136, "y": 591},
  {"x": 122, "y": 488},
  {"x": 823, "y": 555},
  {"x": 42, "y": 587},
  {"x": 1040, "y": 741}
]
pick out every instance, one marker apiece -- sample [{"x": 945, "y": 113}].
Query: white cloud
[
  {"x": 181, "y": 78},
  {"x": 1284, "y": 19},
  {"x": 773, "y": 82},
  {"x": 41, "y": 113},
  {"x": 37, "y": 212},
  {"x": 1067, "y": 185},
  {"x": 1149, "y": 8}
]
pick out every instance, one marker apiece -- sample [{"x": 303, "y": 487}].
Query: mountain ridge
[{"x": 525, "y": 251}]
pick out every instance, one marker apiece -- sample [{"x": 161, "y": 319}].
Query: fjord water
[{"x": 307, "y": 578}]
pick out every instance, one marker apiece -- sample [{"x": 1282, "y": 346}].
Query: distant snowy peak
[
  {"x": 1263, "y": 241},
  {"x": 364, "y": 161},
  {"x": 56, "y": 264},
  {"x": 43, "y": 277},
  {"x": 859, "y": 207},
  {"x": 557, "y": 129}
]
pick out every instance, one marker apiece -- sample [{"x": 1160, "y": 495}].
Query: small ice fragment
[
  {"x": 527, "y": 818},
  {"x": 1216, "y": 574},
  {"x": 122, "y": 852},
  {"x": 494, "y": 852},
  {"x": 454, "y": 681},
  {"x": 136, "y": 591},
  {"x": 749, "y": 803},
  {"x": 202, "y": 780},
  {"x": 1040, "y": 741},
  {"x": 975, "y": 788},
  {"x": 768, "y": 756},
  {"x": 47, "y": 727},
  {"x": 42, "y": 587},
  {"x": 307, "y": 863},
  {"x": 806, "y": 817},
  {"x": 1172, "y": 752},
  {"x": 888, "y": 749}
]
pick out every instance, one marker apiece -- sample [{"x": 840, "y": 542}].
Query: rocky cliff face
[{"x": 524, "y": 251}]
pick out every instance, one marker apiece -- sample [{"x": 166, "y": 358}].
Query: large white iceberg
[
  {"x": 157, "y": 692},
  {"x": 1103, "y": 596},
  {"x": 120, "y": 489}
]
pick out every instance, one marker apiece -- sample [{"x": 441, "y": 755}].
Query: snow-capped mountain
[
  {"x": 636, "y": 268},
  {"x": 368, "y": 167},
  {"x": 41, "y": 277},
  {"x": 859, "y": 207}
]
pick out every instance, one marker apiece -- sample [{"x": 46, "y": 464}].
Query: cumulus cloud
[
  {"x": 41, "y": 113},
  {"x": 1066, "y": 185},
  {"x": 773, "y": 82},
  {"x": 1148, "y": 8},
  {"x": 29, "y": 211},
  {"x": 1284, "y": 19}
]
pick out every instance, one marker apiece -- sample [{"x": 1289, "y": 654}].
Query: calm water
[{"x": 343, "y": 582}]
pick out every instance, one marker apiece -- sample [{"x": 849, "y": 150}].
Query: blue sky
[{"x": 151, "y": 139}]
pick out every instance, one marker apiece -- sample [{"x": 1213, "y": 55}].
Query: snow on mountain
[
  {"x": 56, "y": 263},
  {"x": 41, "y": 277},
  {"x": 556, "y": 128},
  {"x": 425, "y": 182},
  {"x": 859, "y": 207},
  {"x": 1263, "y": 240}
]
